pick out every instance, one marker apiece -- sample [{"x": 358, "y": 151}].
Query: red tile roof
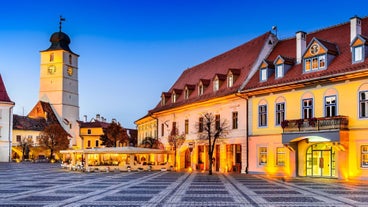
[
  {"x": 240, "y": 59},
  {"x": 93, "y": 124},
  {"x": 3, "y": 94},
  {"x": 334, "y": 38}
]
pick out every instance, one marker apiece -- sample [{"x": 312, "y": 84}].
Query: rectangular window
[
  {"x": 162, "y": 129},
  {"x": 330, "y": 106},
  {"x": 174, "y": 128},
  {"x": 186, "y": 126},
  {"x": 279, "y": 71},
  {"x": 235, "y": 120},
  {"x": 200, "y": 90},
  {"x": 88, "y": 131},
  {"x": 173, "y": 98},
  {"x": 230, "y": 81},
  {"x": 314, "y": 63},
  {"x": 263, "y": 74},
  {"x": 19, "y": 138},
  {"x": 89, "y": 143},
  {"x": 307, "y": 108},
  {"x": 216, "y": 85},
  {"x": 262, "y": 115},
  {"x": 200, "y": 124},
  {"x": 186, "y": 93},
  {"x": 307, "y": 65},
  {"x": 280, "y": 113},
  {"x": 217, "y": 121},
  {"x": 364, "y": 154},
  {"x": 363, "y": 104},
  {"x": 97, "y": 143},
  {"x": 358, "y": 54},
  {"x": 322, "y": 61},
  {"x": 280, "y": 156},
  {"x": 262, "y": 155}
]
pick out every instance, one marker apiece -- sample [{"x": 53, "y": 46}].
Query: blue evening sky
[{"x": 132, "y": 50}]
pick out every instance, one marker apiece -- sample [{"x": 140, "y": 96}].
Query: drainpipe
[
  {"x": 246, "y": 128},
  {"x": 10, "y": 131}
]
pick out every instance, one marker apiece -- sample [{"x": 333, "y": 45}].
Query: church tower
[{"x": 59, "y": 82}]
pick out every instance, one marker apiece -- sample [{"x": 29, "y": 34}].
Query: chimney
[
  {"x": 355, "y": 27},
  {"x": 98, "y": 117},
  {"x": 301, "y": 44},
  {"x": 85, "y": 118}
]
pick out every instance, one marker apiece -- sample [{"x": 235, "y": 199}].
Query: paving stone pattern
[{"x": 42, "y": 184}]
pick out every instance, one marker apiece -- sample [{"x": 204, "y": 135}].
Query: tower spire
[{"x": 60, "y": 22}]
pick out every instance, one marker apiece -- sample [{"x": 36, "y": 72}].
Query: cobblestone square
[{"x": 42, "y": 184}]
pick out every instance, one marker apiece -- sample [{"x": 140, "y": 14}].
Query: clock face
[
  {"x": 70, "y": 71},
  {"x": 52, "y": 69},
  {"x": 314, "y": 49}
]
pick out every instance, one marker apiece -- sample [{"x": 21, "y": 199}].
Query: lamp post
[{"x": 190, "y": 147}]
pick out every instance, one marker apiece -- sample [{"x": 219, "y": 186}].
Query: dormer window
[
  {"x": 232, "y": 75},
  {"x": 263, "y": 74},
  {"x": 230, "y": 81},
  {"x": 279, "y": 71},
  {"x": 173, "y": 98},
  {"x": 200, "y": 89},
  {"x": 202, "y": 85},
  {"x": 188, "y": 90},
  {"x": 216, "y": 84},
  {"x": 359, "y": 49},
  {"x": 319, "y": 53},
  {"x": 164, "y": 97}
]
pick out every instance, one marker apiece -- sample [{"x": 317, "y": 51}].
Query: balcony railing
[{"x": 315, "y": 124}]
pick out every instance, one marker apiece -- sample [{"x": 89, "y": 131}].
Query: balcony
[{"x": 315, "y": 124}]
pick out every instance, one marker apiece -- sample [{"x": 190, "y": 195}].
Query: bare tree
[
  {"x": 114, "y": 133},
  {"x": 212, "y": 129},
  {"x": 54, "y": 138},
  {"x": 176, "y": 140},
  {"x": 25, "y": 145},
  {"x": 150, "y": 142}
]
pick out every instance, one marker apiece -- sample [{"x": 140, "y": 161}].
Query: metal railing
[{"x": 315, "y": 124}]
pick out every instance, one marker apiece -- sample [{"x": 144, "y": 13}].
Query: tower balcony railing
[{"x": 315, "y": 124}]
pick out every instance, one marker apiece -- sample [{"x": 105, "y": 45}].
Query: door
[{"x": 320, "y": 161}]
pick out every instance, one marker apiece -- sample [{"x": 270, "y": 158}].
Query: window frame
[
  {"x": 186, "y": 126},
  {"x": 354, "y": 53},
  {"x": 364, "y": 156},
  {"x": 330, "y": 108},
  {"x": 315, "y": 63},
  {"x": 280, "y": 155},
  {"x": 235, "y": 119},
  {"x": 279, "y": 71},
  {"x": 216, "y": 84},
  {"x": 262, "y": 115},
  {"x": 263, "y": 75},
  {"x": 309, "y": 108},
  {"x": 262, "y": 156},
  {"x": 200, "y": 124},
  {"x": 230, "y": 80},
  {"x": 279, "y": 113},
  {"x": 365, "y": 102}
]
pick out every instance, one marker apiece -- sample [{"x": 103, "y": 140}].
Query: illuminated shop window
[
  {"x": 280, "y": 156},
  {"x": 262, "y": 156}
]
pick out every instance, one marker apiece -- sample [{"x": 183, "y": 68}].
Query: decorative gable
[
  {"x": 359, "y": 49},
  {"x": 318, "y": 55}
]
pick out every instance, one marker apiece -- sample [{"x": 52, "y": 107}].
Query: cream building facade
[
  {"x": 6, "y": 120},
  {"x": 210, "y": 87}
]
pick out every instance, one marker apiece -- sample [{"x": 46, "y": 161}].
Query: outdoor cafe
[{"x": 117, "y": 159}]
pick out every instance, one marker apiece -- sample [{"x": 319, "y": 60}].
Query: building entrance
[{"x": 320, "y": 160}]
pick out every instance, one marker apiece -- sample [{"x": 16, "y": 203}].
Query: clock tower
[{"x": 59, "y": 83}]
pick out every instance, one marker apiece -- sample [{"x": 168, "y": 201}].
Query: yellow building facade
[{"x": 307, "y": 105}]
